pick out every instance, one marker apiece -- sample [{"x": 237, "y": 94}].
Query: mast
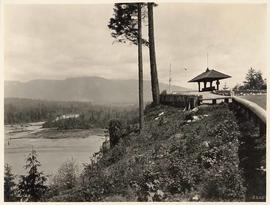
[
  {"x": 206, "y": 60},
  {"x": 170, "y": 78}
]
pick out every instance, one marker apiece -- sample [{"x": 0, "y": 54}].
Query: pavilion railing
[
  {"x": 249, "y": 92},
  {"x": 222, "y": 92},
  {"x": 179, "y": 100}
]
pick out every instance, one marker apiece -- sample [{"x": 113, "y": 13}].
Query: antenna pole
[
  {"x": 207, "y": 59},
  {"x": 170, "y": 78}
]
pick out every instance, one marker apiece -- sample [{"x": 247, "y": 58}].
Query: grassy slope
[{"x": 175, "y": 159}]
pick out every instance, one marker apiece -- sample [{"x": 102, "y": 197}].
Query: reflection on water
[{"x": 52, "y": 153}]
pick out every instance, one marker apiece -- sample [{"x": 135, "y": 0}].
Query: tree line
[
  {"x": 28, "y": 110},
  {"x": 253, "y": 81},
  {"x": 98, "y": 118}
]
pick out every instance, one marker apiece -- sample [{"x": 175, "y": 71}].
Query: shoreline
[
  {"x": 53, "y": 133},
  {"x": 35, "y": 130}
]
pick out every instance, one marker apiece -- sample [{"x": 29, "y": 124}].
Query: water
[{"x": 19, "y": 141}]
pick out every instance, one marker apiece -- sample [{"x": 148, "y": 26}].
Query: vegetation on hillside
[{"x": 178, "y": 158}]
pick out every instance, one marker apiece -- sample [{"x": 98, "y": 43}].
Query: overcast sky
[{"x": 61, "y": 41}]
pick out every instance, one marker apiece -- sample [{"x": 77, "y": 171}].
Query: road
[{"x": 258, "y": 99}]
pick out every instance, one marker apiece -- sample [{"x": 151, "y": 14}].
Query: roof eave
[{"x": 201, "y": 80}]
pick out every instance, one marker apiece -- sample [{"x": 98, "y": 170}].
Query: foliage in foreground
[
  {"x": 66, "y": 179},
  {"x": 32, "y": 186},
  {"x": 181, "y": 156},
  {"x": 9, "y": 185}
]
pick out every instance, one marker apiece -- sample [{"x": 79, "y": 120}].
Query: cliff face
[{"x": 180, "y": 156}]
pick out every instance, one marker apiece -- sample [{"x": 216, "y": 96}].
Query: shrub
[
  {"x": 115, "y": 131},
  {"x": 67, "y": 175}
]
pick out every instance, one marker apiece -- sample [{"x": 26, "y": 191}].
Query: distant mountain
[{"x": 95, "y": 89}]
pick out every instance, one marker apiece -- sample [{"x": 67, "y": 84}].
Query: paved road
[
  {"x": 204, "y": 94},
  {"x": 258, "y": 99}
]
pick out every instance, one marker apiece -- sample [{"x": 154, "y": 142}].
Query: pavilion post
[
  {"x": 199, "y": 86},
  {"x": 204, "y": 84},
  {"x": 217, "y": 84}
]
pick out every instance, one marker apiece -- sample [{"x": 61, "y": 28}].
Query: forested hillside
[{"x": 19, "y": 110}]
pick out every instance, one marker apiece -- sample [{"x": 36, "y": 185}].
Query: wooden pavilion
[{"x": 209, "y": 76}]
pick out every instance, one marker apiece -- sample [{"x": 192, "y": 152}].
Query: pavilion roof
[{"x": 209, "y": 75}]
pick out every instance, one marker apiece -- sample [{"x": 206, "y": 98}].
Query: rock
[
  {"x": 160, "y": 114},
  {"x": 205, "y": 143},
  {"x": 160, "y": 193},
  {"x": 149, "y": 198},
  {"x": 196, "y": 109},
  {"x": 156, "y": 182},
  {"x": 178, "y": 135},
  {"x": 196, "y": 197},
  {"x": 195, "y": 118},
  {"x": 150, "y": 185}
]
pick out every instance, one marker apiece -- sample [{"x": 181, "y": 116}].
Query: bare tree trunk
[
  {"x": 152, "y": 54},
  {"x": 140, "y": 68}
]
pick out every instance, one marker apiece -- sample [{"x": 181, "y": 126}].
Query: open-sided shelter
[{"x": 209, "y": 76}]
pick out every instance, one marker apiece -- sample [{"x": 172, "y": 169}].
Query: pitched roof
[{"x": 210, "y": 75}]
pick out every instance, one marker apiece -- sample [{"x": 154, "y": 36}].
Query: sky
[{"x": 63, "y": 41}]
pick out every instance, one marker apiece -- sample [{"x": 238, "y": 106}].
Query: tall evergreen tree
[
  {"x": 123, "y": 26},
  {"x": 32, "y": 186},
  {"x": 152, "y": 54},
  {"x": 140, "y": 66},
  {"x": 254, "y": 80},
  {"x": 126, "y": 26},
  {"x": 9, "y": 185}
]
